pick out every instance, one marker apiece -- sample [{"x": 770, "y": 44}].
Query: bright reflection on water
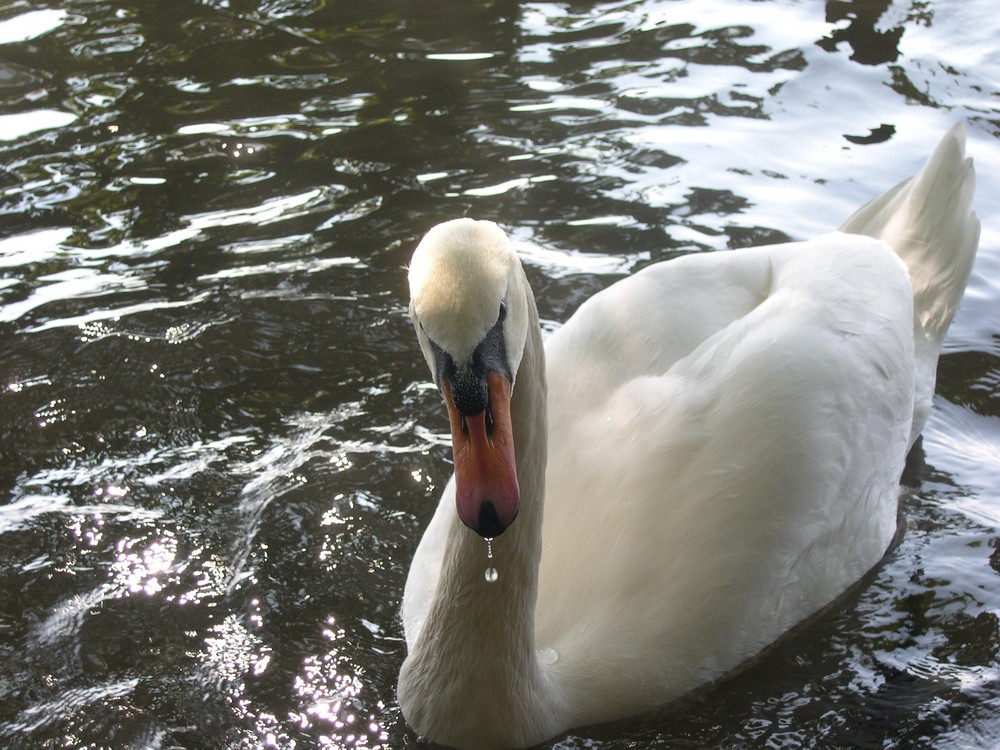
[{"x": 218, "y": 447}]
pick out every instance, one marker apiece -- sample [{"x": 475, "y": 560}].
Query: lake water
[{"x": 218, "y": 447}]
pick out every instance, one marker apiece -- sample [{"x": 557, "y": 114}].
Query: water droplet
[
  {"x": 548, "y": 656},
  {"x": 491, "y": 573}
]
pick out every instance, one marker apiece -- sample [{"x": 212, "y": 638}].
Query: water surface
[{"x": 218, "y": 448}]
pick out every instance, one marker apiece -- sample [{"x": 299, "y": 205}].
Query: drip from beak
[{"x": 486, "y": 491}]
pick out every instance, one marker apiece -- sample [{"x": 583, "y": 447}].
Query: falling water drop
[{"x": 491, "y": 574}]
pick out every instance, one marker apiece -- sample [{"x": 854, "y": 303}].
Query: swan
[{"x": 716, "y": 440}]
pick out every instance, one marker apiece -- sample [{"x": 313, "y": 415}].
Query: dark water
[{"x": 217, "y": 446}]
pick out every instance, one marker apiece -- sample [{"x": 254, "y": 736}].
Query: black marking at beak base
[
  {"x": 469, "y": 392},
  {"x": 468, "y": 383}
]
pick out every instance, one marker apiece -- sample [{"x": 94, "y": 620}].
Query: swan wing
[{"x": 726, "y": 437}]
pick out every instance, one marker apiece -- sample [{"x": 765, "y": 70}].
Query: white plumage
[{"x": 718, "y": 454}]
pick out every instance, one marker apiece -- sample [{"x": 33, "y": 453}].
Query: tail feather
[{"x": 929, "y": 222}]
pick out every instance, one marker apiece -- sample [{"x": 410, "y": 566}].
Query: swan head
[{"x": 468, "y": 305}]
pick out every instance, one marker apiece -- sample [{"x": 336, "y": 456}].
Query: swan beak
[{"x": 486, "y": 490}]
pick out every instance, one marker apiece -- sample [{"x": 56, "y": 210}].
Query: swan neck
[{"x": 474, "y": 663}]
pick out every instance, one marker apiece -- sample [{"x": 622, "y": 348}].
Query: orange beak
[{"x": 486, "y": 490}]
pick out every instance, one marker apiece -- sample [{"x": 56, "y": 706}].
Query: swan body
[{"x": 716, "y": 441}]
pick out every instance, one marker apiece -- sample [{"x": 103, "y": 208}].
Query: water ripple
[{"x": 218, "y": 444}]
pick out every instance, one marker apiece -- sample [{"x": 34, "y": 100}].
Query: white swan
[{"x": 720, "y": 458}]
